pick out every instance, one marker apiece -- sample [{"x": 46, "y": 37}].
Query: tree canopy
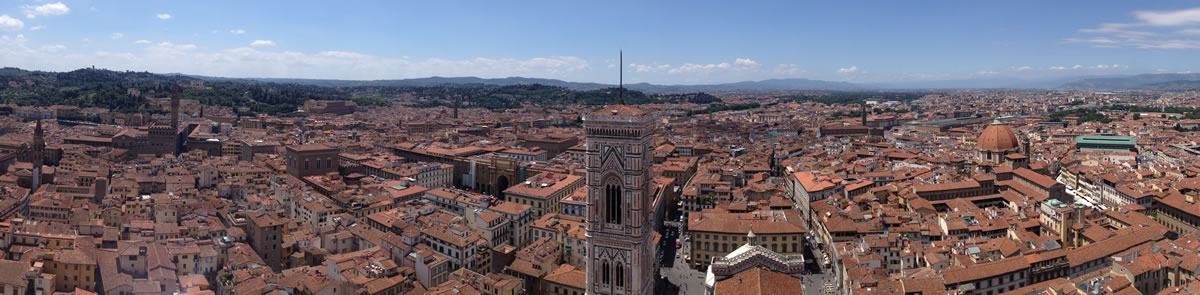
[{"x": 91, "y": 87}]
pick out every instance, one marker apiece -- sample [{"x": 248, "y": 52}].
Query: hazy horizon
[{"x": 665, "y": 44}]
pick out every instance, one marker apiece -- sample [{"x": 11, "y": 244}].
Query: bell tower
[
  {"x": 39, "y": 155},
  {"x": 175, "y": 107},
  {"x": 620, "y": 253}
]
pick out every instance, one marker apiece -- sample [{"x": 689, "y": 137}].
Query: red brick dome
[{"x": 997, "y": 138}]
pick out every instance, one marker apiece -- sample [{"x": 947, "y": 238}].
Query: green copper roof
[{"x": 1105, "y": 139}]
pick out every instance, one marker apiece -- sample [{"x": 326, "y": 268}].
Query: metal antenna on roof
[{"x": 621, "y": 78}]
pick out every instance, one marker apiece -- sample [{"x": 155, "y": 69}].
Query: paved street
[
  {"x": 816, "y": 283},
  {"x": 689, "y": 281}
]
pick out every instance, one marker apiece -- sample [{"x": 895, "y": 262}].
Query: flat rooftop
[{"x": 1105, "y": 139}]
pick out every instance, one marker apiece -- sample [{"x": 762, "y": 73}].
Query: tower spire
[{"x": 621, "y": 79}]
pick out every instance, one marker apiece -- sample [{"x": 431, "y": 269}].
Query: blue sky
[{"x": 666, "y": 42}]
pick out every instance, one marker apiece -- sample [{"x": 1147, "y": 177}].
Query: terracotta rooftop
[
  {"x": 759, "y": 281},
  {"x": 619, "y": 110}
]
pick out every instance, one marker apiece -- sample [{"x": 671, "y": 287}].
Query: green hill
[{"x": 108, "y": 89}]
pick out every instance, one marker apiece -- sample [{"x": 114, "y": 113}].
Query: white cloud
[
  {"x": 53, "y": 48},
  {"x": 37, "y": 28},
  {"x": 118, "y": 35},
  {"x": 851, "y": 69},
  {"x": 1169, "y": 18},
  {"x": 788, "y": 69},
  {"x": 693, "y": 68},
  {"x": 986, "y": 73},
  {"x": 1023, "y": 68},
  {"x": 9, "y": 23},
  {"x": 343, "y": 54},
  {"x": 1090, "y": 40},
  {"x": 142, "y": 42},
  {"x": 57, "y": 8},
  {"x": 167, "y": 45},
  {"x": 640, "y": 68},
  {"x": 238, "y": 31},
  {"x": 1168, "y": 29},
  {"x": 739, "y": 69},
  {"x": 1168, "y": 44},
  {"x": 1095, "y": 67},
  {"x": 1108, "y": 67},
  {"x": 739, "y": 64},
  {"x": 163, "y": 16},
  {"x": 262, "y": 43}
]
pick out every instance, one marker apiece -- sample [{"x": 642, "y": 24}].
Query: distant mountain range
[
  {"x": 1188, "y": 81},
  {"x": 1169, "y": 82},
  {"x": 1144, "y": 81},
  {"x": 987, "y": 82},
  {"x": 764, "y": 85}
]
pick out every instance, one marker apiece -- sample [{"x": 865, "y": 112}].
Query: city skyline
[
  {"x": 673, "y": 43},
  {"x": 475, "y": 147}
]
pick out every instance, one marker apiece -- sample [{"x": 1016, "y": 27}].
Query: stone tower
[
  {"x": 39, "y": 154},
  {"x": 175, "y": 108},
  {"x": 620, "y": 253}
]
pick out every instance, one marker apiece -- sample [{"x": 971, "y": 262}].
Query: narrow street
[{"x": 689, "y": 281}]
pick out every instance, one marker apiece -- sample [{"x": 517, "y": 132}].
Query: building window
[
  {"x": 613, "y": 199},
  {"x": 604, "y": 273},
  {"x": 620, "y": 275}
]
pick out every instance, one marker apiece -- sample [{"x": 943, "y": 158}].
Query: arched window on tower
[
  {"x": 620, "y": 274},
  {"x": 604, "y": 273},
  {"x": 612, "y": 199}
]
